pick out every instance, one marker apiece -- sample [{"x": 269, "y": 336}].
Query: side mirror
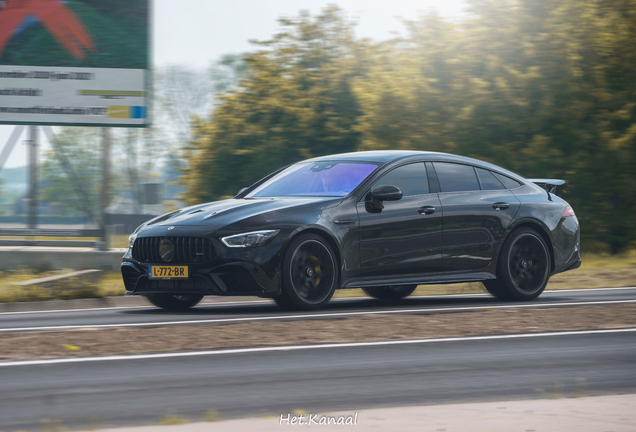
[
  {"x": 241, "y": 191},
  {"x": 373, "y": 202},
  {"x": 386, "y": 193}
]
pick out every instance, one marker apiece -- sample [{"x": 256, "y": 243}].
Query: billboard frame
[{"x": 148, "y": 88}]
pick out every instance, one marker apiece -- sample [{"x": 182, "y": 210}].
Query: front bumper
[{"x": 232, "y": 271}]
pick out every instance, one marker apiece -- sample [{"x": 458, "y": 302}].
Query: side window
[
  {"x": 507, "y": 181},
  {"x": 488, "y": 180},
  {"x": 455, "y": 177},
  {"x": 411, "y": 179}
]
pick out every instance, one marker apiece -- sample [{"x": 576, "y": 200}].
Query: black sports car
[{"x": 383, "y": 221}]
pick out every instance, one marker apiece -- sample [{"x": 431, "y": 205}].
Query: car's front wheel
[
  {"x": 174, "y": 302},
  {"x": 392, "y": 292},
  {"x": 310, "y": 274},
  {"x": 523, "y": 269}
]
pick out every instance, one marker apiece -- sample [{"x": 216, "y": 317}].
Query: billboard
[{"x": 80, "y": 62}]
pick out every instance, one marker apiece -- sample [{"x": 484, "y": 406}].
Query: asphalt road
[
  {"x": 125, "y": 391},
  {"x": 267, "y": 310}
]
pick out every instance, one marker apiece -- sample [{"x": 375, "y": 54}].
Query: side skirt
[{"x": 420, "y": 280}]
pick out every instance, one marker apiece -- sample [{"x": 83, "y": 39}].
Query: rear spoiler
[{"x": 551, "y": 184}]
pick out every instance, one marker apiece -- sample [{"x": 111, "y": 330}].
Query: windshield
[{"x": 315, "y": 179}]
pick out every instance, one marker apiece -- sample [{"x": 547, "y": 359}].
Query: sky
[{"x": 197, "y": 32}]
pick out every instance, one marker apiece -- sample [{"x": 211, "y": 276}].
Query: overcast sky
[{"x": 197, "y": 32}]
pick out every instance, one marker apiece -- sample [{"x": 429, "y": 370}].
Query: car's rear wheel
[
  {"x": 174, "y": 302},
  {"x": 310, "y": 274},
  {"x": 392, "y": 292},
  {"x": 523, "y": 269}
]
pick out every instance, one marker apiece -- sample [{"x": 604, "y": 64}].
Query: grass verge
[
  {"x": 597, "y": 271},
  {"x": 109, "y": 284}
]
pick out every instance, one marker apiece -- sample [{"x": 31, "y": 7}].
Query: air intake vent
[{"x": 188, "y": 250}]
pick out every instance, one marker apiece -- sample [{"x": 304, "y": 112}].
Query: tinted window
[
  {"x": 411, "y": 179},
  {"x": 455, "y": 177},
  {"x": 315, "y": 179},
  {"x": 488, "y": 180},
  {"x": 507, "y": 181}
]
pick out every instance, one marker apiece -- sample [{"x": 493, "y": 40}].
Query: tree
[
  {"x": 294, "y": 102},
  {"x": 227, "y": 72},
  {"x": 79, "y": 149},
  {"x": 542, "y": 87},
  {"x": 182, "y": 93}
]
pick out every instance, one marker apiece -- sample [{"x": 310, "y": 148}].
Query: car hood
[{"x": 222, "y": 213}]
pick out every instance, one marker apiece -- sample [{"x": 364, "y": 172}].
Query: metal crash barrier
[{"x": 46, "y": 232}]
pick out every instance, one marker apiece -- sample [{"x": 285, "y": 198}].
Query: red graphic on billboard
[{"x": 59, "y": 20}]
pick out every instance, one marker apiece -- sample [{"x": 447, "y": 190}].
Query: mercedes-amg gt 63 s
[{"x": 383, "y": 221}]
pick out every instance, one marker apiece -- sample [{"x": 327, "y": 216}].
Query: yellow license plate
[{"x": 168, "y": 272}]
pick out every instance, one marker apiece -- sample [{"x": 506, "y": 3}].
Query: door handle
[
  {"x": 500, "y": 206},
  {"x": 426, "y": 210}
]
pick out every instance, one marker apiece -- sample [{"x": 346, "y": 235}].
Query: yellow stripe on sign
[
  {"x": 115, "y": 111},
  {"x": 111, "y": 93}
]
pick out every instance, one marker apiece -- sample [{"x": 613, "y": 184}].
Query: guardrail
[{"x": 46, "y": 232}]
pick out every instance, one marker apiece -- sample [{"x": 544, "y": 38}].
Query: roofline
[{"x": 400, "y": 155}]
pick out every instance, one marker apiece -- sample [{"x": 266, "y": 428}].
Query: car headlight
[
  {"x": 131, "y": 240},
  {"x": 250, "y": 239}
]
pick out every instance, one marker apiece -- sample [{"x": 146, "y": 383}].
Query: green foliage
[
  {"x": 294, "y": 102},
  {"x": 545, "y": 88}
]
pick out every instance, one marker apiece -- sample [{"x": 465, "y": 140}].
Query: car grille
[{"x": 188, "y": 250}]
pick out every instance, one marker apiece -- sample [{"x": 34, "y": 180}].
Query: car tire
[
  {"x": 523, "y": 269},
  {"x": 392, "y": 292},
  {"x": 310, "y": 274},
  {"x": 494, "y": 289},
  {"x": 174, "y": 302},
  {"x": 281, "y": 300}
]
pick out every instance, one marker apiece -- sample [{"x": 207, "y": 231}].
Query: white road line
[
  {"x": 307, "y": 347},
  {"x": 265, "y": 301},
  {"x": 307, "y": 316},
  {"x": 246, "y": 303},
  {"x": 588, "y": 289}
]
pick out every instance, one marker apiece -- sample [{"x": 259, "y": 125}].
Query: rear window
[
  {"x": 507, "y": 181},
  {"x": 488, "y": 180},
  {"x": 455, "y": 177}
]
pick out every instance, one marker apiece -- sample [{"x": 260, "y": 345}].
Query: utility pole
[
  {"x": 104, "y": 201},
  {"x": 33, "y": 163}
]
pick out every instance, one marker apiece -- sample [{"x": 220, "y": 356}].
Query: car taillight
[{"x": 568, "y": 212}]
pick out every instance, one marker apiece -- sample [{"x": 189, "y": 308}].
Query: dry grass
[{"x": 109, "y": 284}]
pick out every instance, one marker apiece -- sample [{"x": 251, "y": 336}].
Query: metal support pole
[
  {"x": 8, "y": 147},
  {"x": 33, "y": 164},
  {"x": 104, "y": 201}
]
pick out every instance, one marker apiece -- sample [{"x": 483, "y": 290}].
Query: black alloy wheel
[
  {"x": 523, "y": 270},
  {"x": 174, "y": 302},
  {"x": 310, "y": 274},
  {"x": 392, "y": 292}
]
